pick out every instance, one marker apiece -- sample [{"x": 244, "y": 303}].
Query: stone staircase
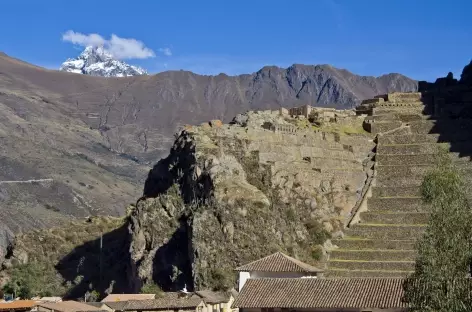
[{"x": 382, "y": 243}]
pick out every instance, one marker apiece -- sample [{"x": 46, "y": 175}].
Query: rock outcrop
[{"x": 229, "y": 194}]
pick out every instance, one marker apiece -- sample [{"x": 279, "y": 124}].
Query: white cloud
[
  {"x": 121, "y": 48},
  {"x": 83, "y": 40},
  {"x": 166, "y": 51}
]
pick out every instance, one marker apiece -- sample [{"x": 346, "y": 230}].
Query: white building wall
[{"x": 243, "y": 276}]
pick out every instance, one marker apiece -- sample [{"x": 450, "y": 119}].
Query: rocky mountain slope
[
  {"x": 95, "y": 61},
  {"x": 78, "y": 145},
  {"x": 229, "y": 194}
]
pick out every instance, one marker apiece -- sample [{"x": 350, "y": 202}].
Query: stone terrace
[{"x": 382, "y": 243}]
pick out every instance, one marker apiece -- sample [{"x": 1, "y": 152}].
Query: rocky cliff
[{"x": 229, "y": 194}]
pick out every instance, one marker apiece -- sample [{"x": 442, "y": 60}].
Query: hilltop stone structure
[
  {"x": 274, "y": 182},
  {"x": 410, "y": 129}
]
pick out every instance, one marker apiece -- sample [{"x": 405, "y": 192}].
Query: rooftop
[
  {"x": 127, "y": 297},
  {"x": 377, "y": 293},
  {"x": 213, "y": 297},
  {"x": 17, "y": 305},
  {"x": 69, "y": 306},
  {"x": 166, "y": 302},
  {"x": 278, "y": 262}
]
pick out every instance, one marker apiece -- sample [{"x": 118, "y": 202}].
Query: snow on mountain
[{"x": 96, "y": 61}]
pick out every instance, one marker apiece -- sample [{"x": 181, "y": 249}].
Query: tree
[
  {"x": 440, "y": 281},
  {"x": 33, "y": 279},
  {"x": 92, "y": 296},
  {"x": 151, "y": 288}
]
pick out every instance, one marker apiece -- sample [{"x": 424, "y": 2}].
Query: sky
[{"x": 423, "y": 39}]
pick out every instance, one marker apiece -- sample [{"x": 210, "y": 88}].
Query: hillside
[{"x": 84, "y": 144}]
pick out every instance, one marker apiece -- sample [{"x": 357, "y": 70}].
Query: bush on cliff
[
  {"x": 34, "y": 279},
  {"x": 440, "y": 281},
  {"x": 151, "y": 288}
]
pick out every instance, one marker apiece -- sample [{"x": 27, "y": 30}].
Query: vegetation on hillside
[
  {"x": 65, "y": 261},
  {"x": 34, "y": 279},
  {"x": 440, "y": 281}
]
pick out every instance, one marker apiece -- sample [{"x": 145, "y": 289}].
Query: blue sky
[{"x": 423, "y": 39}]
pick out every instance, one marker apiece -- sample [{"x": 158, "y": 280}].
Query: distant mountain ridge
[{"x": 96, "y": 61}]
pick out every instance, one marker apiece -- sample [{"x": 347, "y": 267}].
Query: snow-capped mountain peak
[{"x": 96, "y": 61}]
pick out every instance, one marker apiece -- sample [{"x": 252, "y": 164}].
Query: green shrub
[
  {"x": 33, "y": 279},
  {"x": 291, "y": 214},
  {"x": 318, "y": 235},
  {"x": 151, "y": 288},
  {"x": 220, "y": 280},
  {"x": 440, "y": 281},
  {"x": 316, "y": 252}
]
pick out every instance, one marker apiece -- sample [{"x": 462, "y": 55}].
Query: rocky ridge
[
  {"x": 229, "y": 194},
  {"x": 96, "y": 61}
]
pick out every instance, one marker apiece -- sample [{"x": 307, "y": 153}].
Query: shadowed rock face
[
  {"x": 95, "y": 137},
  {"x": 230, "y": 194}
]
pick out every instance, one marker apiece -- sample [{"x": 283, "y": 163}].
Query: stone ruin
[
  {"x": 321, "y": 115},
  {"x": 410, "y": 129}
]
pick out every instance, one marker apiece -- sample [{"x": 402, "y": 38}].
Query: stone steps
[
  {"x": 372, "y": 265},
  {"x": 400, "y": 182},
  {"x": 373, "y": 255},
  {"x": 418, "y": 159},
  {"x": 383, "y": 243},
  {"x": 440, "y": 126},
  {"x": 385, "y": 231},
  {"x": 425, "y": 138},
  {"x": 336, "y": 273},
  {"x": 365, "y": 243},
  {"x": 394, "y": 217},
  {"x": 383, "y": 126},
  {"x": 401, "y": 204},
  {"x": 424, "y": 148},
  {"x": 391, "y": 172},
  {"x": 394, "y": 192},
  {"x": 383, "y": 180},
  {"x": 404, "y": 117}
]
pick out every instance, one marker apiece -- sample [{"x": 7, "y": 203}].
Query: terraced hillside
[{"x": 381, "y": 239}]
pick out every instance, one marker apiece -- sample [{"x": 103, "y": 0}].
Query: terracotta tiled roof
[
  {"x": 116, "y": 305},
  {"x": 69, "y": 306},
  {"x": 213, "y": 297},
  {"x": 17, "y": 305},
  {"x": 50, "y": 299},
  {"x": 321, "y": 293},
  {"x": 163, "y": 303},
  {"x": 278, "y": 262},
  {"x": 127, "y": 297},
  {"x": 96, "y": 304}
]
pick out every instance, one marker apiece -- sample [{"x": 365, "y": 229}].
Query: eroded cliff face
[{"x": 229, "y": 194}]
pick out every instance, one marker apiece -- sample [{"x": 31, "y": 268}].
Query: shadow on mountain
[
  {"x": 175, "y": 168},
  {"x": 172, "y": 264},
  {"x": 179, "y": 168},
  {"x": 448, "y": 102},
  {"x": 102, "y": 264}
]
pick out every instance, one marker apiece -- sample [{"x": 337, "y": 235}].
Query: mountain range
[
  {"x": 78, "y": 145},
  {"x": 96, "y": 61}
]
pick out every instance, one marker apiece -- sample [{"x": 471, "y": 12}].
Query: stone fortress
[{"x": 409, "y": 128}]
